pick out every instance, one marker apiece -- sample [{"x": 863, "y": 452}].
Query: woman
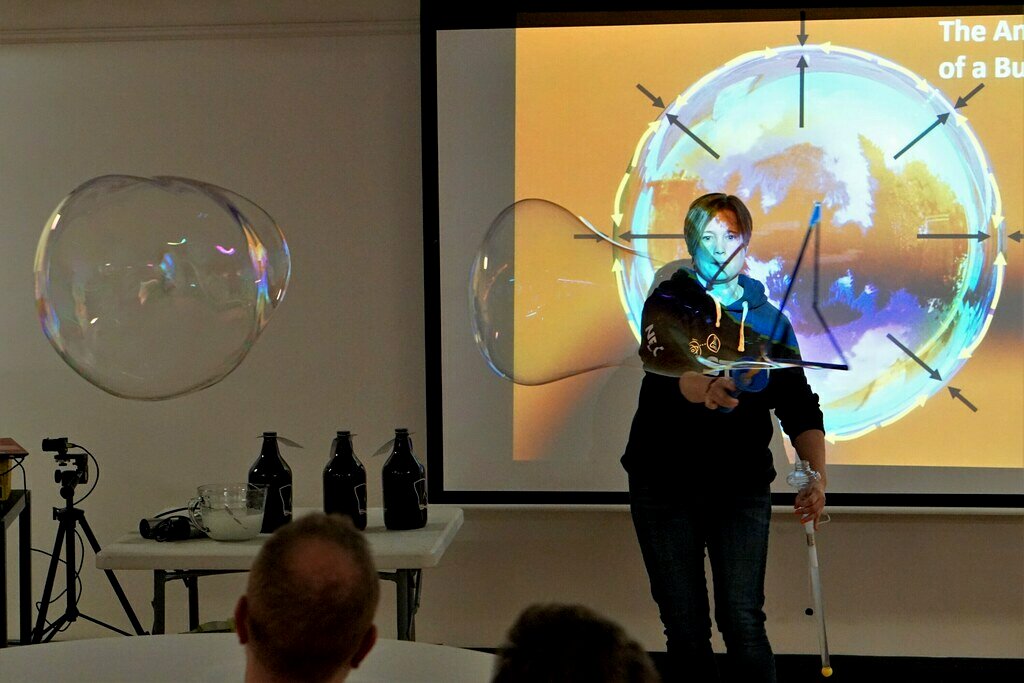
[{"x": 698, "y": 459}]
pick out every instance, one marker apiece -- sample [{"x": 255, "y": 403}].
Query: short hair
[
  {"x": 304, "y": 625},
  {"x": 703, "y": 210},
  {"x": 569, "y": 644}
]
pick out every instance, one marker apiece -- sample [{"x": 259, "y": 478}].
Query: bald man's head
[{"x": 311, "y": 599}]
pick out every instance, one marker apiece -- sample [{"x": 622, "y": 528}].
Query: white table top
[
  {"x": 218, "y": 658},
  {"x": 414, "y": 549}
]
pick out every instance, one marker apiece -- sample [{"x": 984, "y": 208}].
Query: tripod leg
[
  {"x": 114, "y": 583},
  {"x": 51, "y": 573},
  {"x": 70, "y": 569}
]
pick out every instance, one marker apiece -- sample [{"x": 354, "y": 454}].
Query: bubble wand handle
[
  {"x": 800, "y": 478},
  {"x": 749, "y": 379}
]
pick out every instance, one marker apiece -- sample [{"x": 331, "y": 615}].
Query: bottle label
[
  {"x": 421, "y": 492},
  {"x": 360, "y": 491},
  {"x": 286, "y": 500}
]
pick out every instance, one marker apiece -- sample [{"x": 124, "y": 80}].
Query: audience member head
[
  {"x": 307, "y": 614},
  {"x": 570, "y": 644}
]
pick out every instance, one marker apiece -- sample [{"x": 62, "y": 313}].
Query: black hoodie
[{"x": 673, "y": 439}]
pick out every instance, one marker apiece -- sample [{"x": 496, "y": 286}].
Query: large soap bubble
[
  {"x": 880, "y": 283},
  {"x": 152, "y": 288}
]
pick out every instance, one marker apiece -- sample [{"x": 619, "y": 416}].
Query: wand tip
[{"x": 826, "y": 671}]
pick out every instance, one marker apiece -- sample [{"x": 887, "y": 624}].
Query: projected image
[
  {"x": 907, "y": 310},
  {"x": 908, "y": 139}
]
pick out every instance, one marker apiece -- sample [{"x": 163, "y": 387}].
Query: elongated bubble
[{"x": 537, "y": 315}]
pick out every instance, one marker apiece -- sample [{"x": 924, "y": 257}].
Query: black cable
[
  {"x": 167, "y": 512},
  {"x": 18, "y": 465},
  {"x": 78, "y": 579},
  {"x": 78, "y": 571},
  {"x": 81, "y": 563},
  {"x": 95, "y": 480},
  {"x": 17, "y": 459}
]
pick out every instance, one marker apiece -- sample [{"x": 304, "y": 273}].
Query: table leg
[
  {"x": 192, "y": 583},
  {"x": 402, "y": 597},
  {"x": 159, "y": 600},
  {"x": 25, "y": 569},
  {"x": 3, "y": 577},
  {"x": 407, "y": 597}
]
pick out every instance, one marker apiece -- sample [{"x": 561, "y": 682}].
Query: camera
[{"x": 72, "y": 468}]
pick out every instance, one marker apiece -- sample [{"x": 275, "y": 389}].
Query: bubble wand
[{"x": 800, "y": 478}]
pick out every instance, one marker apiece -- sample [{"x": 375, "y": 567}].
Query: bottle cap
[
  {"x": 269, "y": 433},
  {"x": 344, "y": 433},
  {"x": 402, "y": 430}
]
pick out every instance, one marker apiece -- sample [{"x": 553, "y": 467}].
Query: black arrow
[
  {"x": 656, "y": 100},
  {"x": 980, "y": 236},
  {"x": 955, "y": 393},
  {"x": 802, "y": 37},
  {"x": 933, "y": 373},
  {"x": 662, "y": 236},
  {"x": 713, "y": 280},
  {"x": 802, "y": 65},
  {"x": 587, "y": 236},
  {"x": 941, "y": 118},
  {"x": 675, "y": 121},
  {"x": 1016, "y": 236},
  {"x": 962, "y": 101}
]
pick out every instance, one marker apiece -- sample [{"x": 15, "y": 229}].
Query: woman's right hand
[{"x": 718, "y": 394}]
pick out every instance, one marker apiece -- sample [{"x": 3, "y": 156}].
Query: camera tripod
[{"x": 69, "y": 517}]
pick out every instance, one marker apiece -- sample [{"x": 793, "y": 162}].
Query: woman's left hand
[{"x": 810, "y": 502}]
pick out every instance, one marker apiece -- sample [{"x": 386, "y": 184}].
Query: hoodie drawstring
[{"x": 743, "y": 322}]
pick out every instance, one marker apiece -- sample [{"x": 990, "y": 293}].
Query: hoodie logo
[
  {"x": 652, "y": 341},
  {"x": 713, "y": 344}
]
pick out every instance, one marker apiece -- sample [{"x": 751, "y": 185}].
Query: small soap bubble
[
  {"x": 152, "y": 288},
  {"x": 539, "y": 294}
]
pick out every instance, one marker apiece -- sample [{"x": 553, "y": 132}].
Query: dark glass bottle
[
  {"x": 405, "y": 486},
  {"x": 345, "y": 482},
  {"x": 272, "y": 471}
]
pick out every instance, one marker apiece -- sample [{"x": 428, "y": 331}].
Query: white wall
[{"x": 319, "y": 123}]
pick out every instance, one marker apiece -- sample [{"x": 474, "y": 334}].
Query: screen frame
[{"x": 523, "y": 15}]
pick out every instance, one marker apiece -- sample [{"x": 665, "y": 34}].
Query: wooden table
[{"x": 400, "y": 557}]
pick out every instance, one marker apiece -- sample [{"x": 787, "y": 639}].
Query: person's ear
[
  {"x": 242, "y": 620},
  {"x": 365, "y": 645}
]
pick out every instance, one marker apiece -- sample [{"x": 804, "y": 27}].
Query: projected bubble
[
  {"x": 155, "y": 288},
  {"x": 526, "y": 298},
  {"x": 890, "y": 159}
]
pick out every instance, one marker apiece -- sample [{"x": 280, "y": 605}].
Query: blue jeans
[{"x": 674, "y": 529}]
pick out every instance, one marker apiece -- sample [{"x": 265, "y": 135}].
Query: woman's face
[{"x": 720, "y": 240}]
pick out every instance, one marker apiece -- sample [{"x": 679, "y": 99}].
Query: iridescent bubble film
[
  {"x": 279, "y": 261},
  {"x": 528, "y": 302},
  {"x": 152, "y": 288},
  {"x": 896, "y": 303}
]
